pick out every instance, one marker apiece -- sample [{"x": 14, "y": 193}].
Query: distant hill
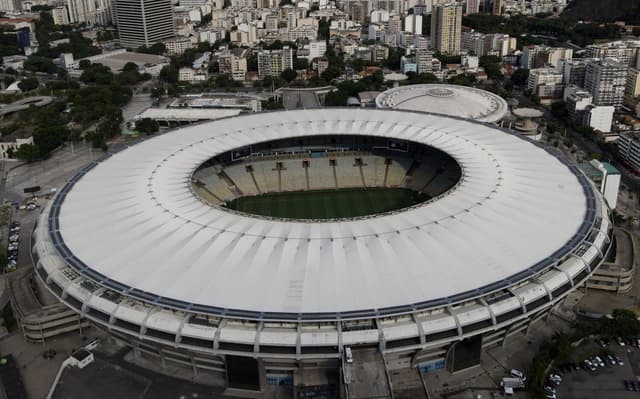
[{"x": 605, "y": 10}]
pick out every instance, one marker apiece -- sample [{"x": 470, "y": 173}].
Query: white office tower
[
  {"x": 446, "y": 28},
  {"x": 413, "y": 24},
  {"x": 81, "y": 11},
  {"x": 606, "y": 81},
  {"x": 144, "y": 22}
]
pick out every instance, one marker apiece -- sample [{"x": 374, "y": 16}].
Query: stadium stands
[{"x": 424, "y": 170}]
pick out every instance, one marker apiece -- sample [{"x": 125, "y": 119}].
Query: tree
[
  {"x": 336, "y": 98},
  {"x": 84, "y": 64},
  {"x": 157, "y": 48},
  {"x": 288, "y": 75},
  {"x": 130, "y": 67},
  {"x": 300, "y": 63},
  {"x": 559, "y": 109},
  {"x": 97, "y": 73},
  {"x": 271, "y": 104},
  {"x": 157, "y": 92},
  {"x": 37, "y": 63},
  {"x": 520, "y": 77},
  {"x": 28, "y": 152},
  {"x": 169, "y": 74},
  {"x": 28, "y": 84},
  {"x": 147, "y": 126}
]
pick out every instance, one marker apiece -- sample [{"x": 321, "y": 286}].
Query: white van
[
  {"x": 518, "y": 374},
  {"x": 348, "y": 355}
]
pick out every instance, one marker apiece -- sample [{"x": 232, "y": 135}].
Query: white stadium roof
[
  {"x": 453, "y": 100},
  {"x": 134, "y": 220}
]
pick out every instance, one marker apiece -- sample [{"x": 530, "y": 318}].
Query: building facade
[
  {"x": 446, "y": 28},
  {"x": 273, "y": 62},
  {"x": 606, "y": 80},
  {"x": 144, "y": 22}
]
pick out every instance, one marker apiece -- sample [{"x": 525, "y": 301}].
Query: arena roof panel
[{"x": 133, "y": 220}]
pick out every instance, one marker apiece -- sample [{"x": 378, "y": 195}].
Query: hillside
[{"x": 605, "y": 10}]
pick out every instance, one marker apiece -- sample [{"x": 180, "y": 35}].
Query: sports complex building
[
  {"x": 259, "y": 245},
  {"x": 447, "y": 99}
]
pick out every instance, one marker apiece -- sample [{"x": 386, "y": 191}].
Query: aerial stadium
[
  {"x": 259, "y": 245},
  {"x": 446, "y": 99}
]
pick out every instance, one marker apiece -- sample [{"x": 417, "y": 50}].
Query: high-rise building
[
  {"x": 626, "y": 52},
  {"x": 144, "y": 22},
  {"x": 629, "y": 149},
  {"x": 413, "y": 24},
  {"x": 574, "y": 71},
  {"x": 542, "y": 56},
  {"x": 424, "y": 56},
  {"x": 546, "y": 83},
  {"x": 273, "y": 62},
  {"x": 472, "y": 7},
  {"x": 234, "y": 63},
  {"x": 446, "y": 27},
  {"x": 606, "y": 81},
  {"x": 81, "y": 11},
  {"x": 633, "y": 83},
  {"x": 497, "y": 7},
  {"x": 60, "y": 16}
]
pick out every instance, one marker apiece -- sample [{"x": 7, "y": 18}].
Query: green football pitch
[{"x": 328, "y": 204}]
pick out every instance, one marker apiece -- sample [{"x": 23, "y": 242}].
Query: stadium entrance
[{"x": 326, "y": 177}]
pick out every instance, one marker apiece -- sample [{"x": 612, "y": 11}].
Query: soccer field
[{"x": 328, "y": 204}]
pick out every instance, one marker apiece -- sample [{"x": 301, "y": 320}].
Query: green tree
[
  {"x": 169, "y": 74},
  {"x": 147, "y": 126},
  {"x": 559, "y": 109},
  {"x": 157, "y": 48},
  {"x": 336, "y": 98},
  {"x": 288, "y": 75},
  {"x": 157, "y": 92},
  {"x": 520, "y": 77},
  {"x": 28, "y": 84},
  {"x": 28, "y": 152},
  {"x": 300, "y": 63}
]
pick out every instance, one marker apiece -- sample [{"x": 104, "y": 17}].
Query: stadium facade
[{"x": 136, "y": 245}]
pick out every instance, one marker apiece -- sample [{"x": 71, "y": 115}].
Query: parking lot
[{"x": 604, "y": 382}]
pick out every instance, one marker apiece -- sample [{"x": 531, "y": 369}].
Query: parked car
[
  {"x": 619, "y": 361},
  {"x": 620, "y": 341},
  {"x": 589, "y": 365}
]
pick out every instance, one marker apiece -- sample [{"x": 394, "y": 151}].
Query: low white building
[
  {"x": 10, "y": 144},
  {"x": 186, "y": 74},
  {"x": 599, "y": 118}
]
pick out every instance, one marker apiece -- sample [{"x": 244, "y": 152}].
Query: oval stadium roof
[
  {"x": 453, "y": 100},
  {"x": 134, "y": 220}
]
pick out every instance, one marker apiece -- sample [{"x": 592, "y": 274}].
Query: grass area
[{"x": 328, "y": 204}]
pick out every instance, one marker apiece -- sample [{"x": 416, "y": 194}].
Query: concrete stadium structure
[
  {"x": 446, "y": 99},
  {"x": 131, "y": 245}
]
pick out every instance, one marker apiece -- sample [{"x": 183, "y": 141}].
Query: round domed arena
[
  {"x": 274, "y": 241},
  {"x": 446, "y": 99}
]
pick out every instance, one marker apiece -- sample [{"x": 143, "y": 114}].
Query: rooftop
[
  {"x": 453, "y": 100},
  {"x": 150, "y": 232}
]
